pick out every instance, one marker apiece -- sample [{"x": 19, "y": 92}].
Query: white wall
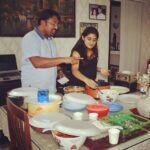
[{"x": 10, "y": 45}]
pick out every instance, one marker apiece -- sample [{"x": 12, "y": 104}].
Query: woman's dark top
[{"x": 86, "y": 67}]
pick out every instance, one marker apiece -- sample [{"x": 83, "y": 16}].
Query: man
[
  {"x": 100, "y": 14},
  {"x": 39, "y": 59}
]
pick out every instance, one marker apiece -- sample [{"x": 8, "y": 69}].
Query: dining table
[{"x": 45, "y": 141}]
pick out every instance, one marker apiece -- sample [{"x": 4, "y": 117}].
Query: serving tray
[{"x": 131, "y": 123}]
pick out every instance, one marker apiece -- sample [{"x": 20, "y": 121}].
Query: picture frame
[
  {"x": 17, "y": 17},
  {"x": 97, "y": 12},
  {"x": 84, "y": 25}
]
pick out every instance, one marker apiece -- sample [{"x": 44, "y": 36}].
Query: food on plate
[
  {"x": 69, "y": 89},
  {"x": 130, "y": 123},
  {"x": 63, "y": 135}
]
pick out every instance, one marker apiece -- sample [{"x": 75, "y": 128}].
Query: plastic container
[
  {"x": 101, "y": 109},
  {"x": 34, "y": 107},
  {"x": 95, "y": 92},
  {"x": 108, "y": 95}
]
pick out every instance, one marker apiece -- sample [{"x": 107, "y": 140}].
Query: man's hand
[{"x": 71, "y": 60}]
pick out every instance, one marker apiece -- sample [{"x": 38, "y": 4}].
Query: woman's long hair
[{"x": 80, "y": 46}]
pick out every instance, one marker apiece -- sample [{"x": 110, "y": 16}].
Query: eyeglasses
[{"x": 53, "y": 24}]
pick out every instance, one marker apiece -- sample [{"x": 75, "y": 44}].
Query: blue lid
[{"x": 113, "y": 106}]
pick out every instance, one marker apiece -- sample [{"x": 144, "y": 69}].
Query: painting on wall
[
  {"x": 84, "y": 25},
  {"x": 17, "y": 17},
  {"x": 97, "y": 12}
]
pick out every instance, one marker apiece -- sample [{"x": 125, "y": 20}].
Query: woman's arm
[{"x": 79, "y": 75}]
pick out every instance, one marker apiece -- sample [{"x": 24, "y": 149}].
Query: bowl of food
[
  {"x": 69, "y": 89},
  {"x": 108, "y": 95},
  {"x": 67, "y": 142},
  {"x": 101, "y": 109}
]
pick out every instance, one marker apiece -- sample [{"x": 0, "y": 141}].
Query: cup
[
  {"x": 43, "y": 95},
  {"x": 113, "y": 135},
  {"x": 93, "y": 116},
  {"x": 78, "y": 116}
]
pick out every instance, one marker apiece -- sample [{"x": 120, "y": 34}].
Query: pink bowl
[{"x": 101, "y": 109}]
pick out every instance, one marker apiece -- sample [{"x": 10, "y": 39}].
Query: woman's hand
[
  {"x": 91, "y": 83},
  {"x": 104, "y": 72}
]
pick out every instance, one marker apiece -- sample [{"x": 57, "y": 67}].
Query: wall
[
  {"x": 13, "y": 45},
  {"x": 145, "y": 39}
]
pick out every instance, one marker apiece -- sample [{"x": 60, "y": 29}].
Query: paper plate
[
  {"x": 23, "y": 91},
  {"x": 120, "y": 89},
  {"x": 77, "y": 128},
  {"x": 47, "y": 120},
  {"x": 114, "y": 107}
]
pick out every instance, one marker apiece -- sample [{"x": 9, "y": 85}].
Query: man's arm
[{"x": 43, "y": 62}]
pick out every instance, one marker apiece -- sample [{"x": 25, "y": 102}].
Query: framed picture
[
  {"x": 84, "y": 25},
  {"x": 17, "y": 17},
  {"x": 97, "y": 12}
]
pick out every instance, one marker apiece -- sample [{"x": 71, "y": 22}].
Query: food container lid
[
  {"x": 34, "y": 100},
  {"x": 23, "y": 91},
  {"x": 47, "y": 120},
  {"x": 79, "y": 98},
  {"x": 77, "y": 128}
]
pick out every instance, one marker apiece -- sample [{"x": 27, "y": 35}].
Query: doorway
[{"x": 114, "y": 38}]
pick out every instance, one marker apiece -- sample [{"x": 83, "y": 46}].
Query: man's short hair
[{"x": 46, "y": 14}]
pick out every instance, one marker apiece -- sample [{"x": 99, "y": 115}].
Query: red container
[{"x": 101, "y": 109}]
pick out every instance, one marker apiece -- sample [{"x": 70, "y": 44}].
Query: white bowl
[
  {"x": 67, "y": 142},
  {"x": 108, "y": 95}
]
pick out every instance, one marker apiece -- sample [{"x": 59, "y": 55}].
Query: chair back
[{"x": 19, "y": 128}]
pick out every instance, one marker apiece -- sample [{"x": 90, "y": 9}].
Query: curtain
[{"x": 130, "y": 37}]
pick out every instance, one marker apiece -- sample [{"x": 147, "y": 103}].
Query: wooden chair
[{"x": 19, "y": 128}]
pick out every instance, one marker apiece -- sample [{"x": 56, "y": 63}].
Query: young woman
[{"x": 84, "y": 72}]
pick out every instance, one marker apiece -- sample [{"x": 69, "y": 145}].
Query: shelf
[{"x": 115, "y": 52}]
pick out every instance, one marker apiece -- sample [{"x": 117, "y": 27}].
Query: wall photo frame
[
  {"x": 97, "y": 12},
  {"x": 84, "y": 25},
  {"x": 17, "y": 17}
]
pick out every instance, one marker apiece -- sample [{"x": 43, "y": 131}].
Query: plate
[
  {"x": 129, "y": 98},
  {"x": 47, "y": 120},
  {"x": 23, "y": 91},
  {"x": 34, "y": 100},
  {"x": 114, "y": 107},
  {"x": 120, "y": 89}
]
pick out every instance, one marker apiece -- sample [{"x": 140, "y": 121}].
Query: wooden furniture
[{"x": 19, "y": 129}]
